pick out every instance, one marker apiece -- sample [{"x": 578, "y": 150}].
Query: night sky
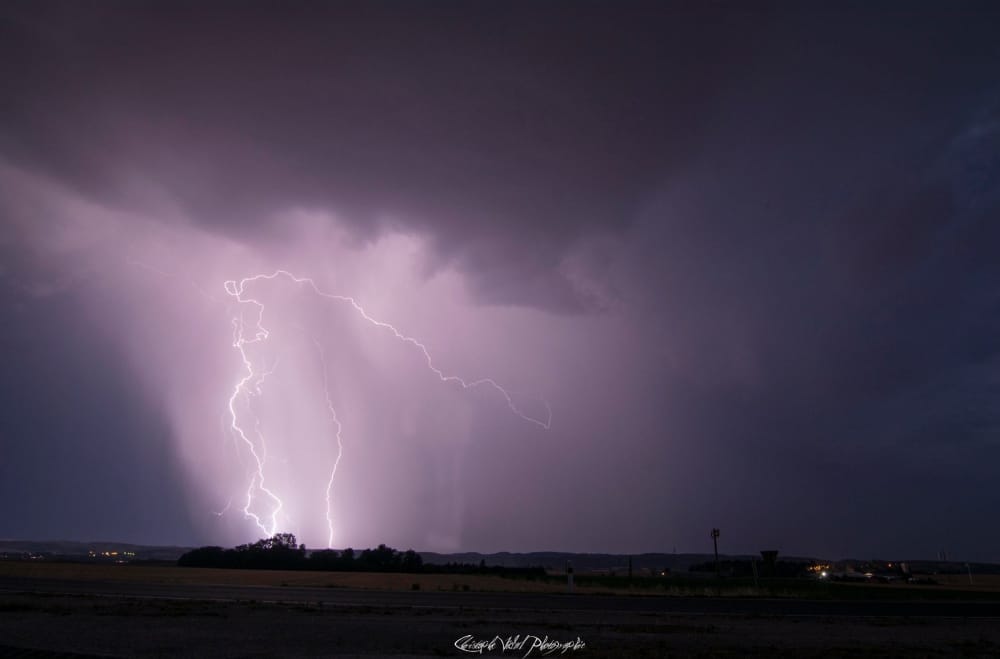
[{"x": 747, "y": 255}]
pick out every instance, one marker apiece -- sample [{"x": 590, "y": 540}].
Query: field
[
  {"x": 948, "y": 586},
  {"x": 47, "y": 610},
  {"x": 182, "y": 575}
]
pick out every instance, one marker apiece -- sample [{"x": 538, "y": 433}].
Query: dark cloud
[{"x": 502, "y": 131}]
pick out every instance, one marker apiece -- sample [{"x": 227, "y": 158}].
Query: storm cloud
[{"x": 747, "y": 257}]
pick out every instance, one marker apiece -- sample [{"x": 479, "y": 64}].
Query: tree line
[{"x": 281, "y": 552}]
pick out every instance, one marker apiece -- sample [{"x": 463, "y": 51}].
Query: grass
[
  {"x": 986, "y": 588},
  {"x": 683, "y": 586},
  {"x": 286, "y": 578}
]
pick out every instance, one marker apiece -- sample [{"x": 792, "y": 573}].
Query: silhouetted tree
[
  {"x": 412, "y": 562},
  {"x": 280, "y": 552},
  {"x": 380, "y": 559},
  {"x": 203, "y": 557},
  {"x": 324, "y": 559}
]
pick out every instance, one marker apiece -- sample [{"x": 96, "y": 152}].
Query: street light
[{"x": 715, "y": 543}]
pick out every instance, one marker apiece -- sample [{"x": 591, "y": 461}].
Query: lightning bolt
[
  {"x": 340, "y": 445},
  {"x": 224, "y": 510},
  {"x": 242, "y": 390},
  {"x": 246, "y": 334}
]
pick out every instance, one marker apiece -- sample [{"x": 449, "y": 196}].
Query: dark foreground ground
[{"x": 56, "y": 617}]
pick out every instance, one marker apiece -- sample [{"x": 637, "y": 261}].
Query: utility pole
[{"x": 715, "y": 543}]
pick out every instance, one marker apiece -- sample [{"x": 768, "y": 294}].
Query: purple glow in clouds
[{"x": 251, "y": 384}]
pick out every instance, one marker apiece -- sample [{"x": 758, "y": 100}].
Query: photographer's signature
[{"x": 526, "y": 645}]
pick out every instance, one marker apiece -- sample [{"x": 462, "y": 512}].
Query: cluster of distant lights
[
  {"x": 112, "y": 554},
  {"x": 119, "y": 557},
  {"x": 821, "y": 570}
]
